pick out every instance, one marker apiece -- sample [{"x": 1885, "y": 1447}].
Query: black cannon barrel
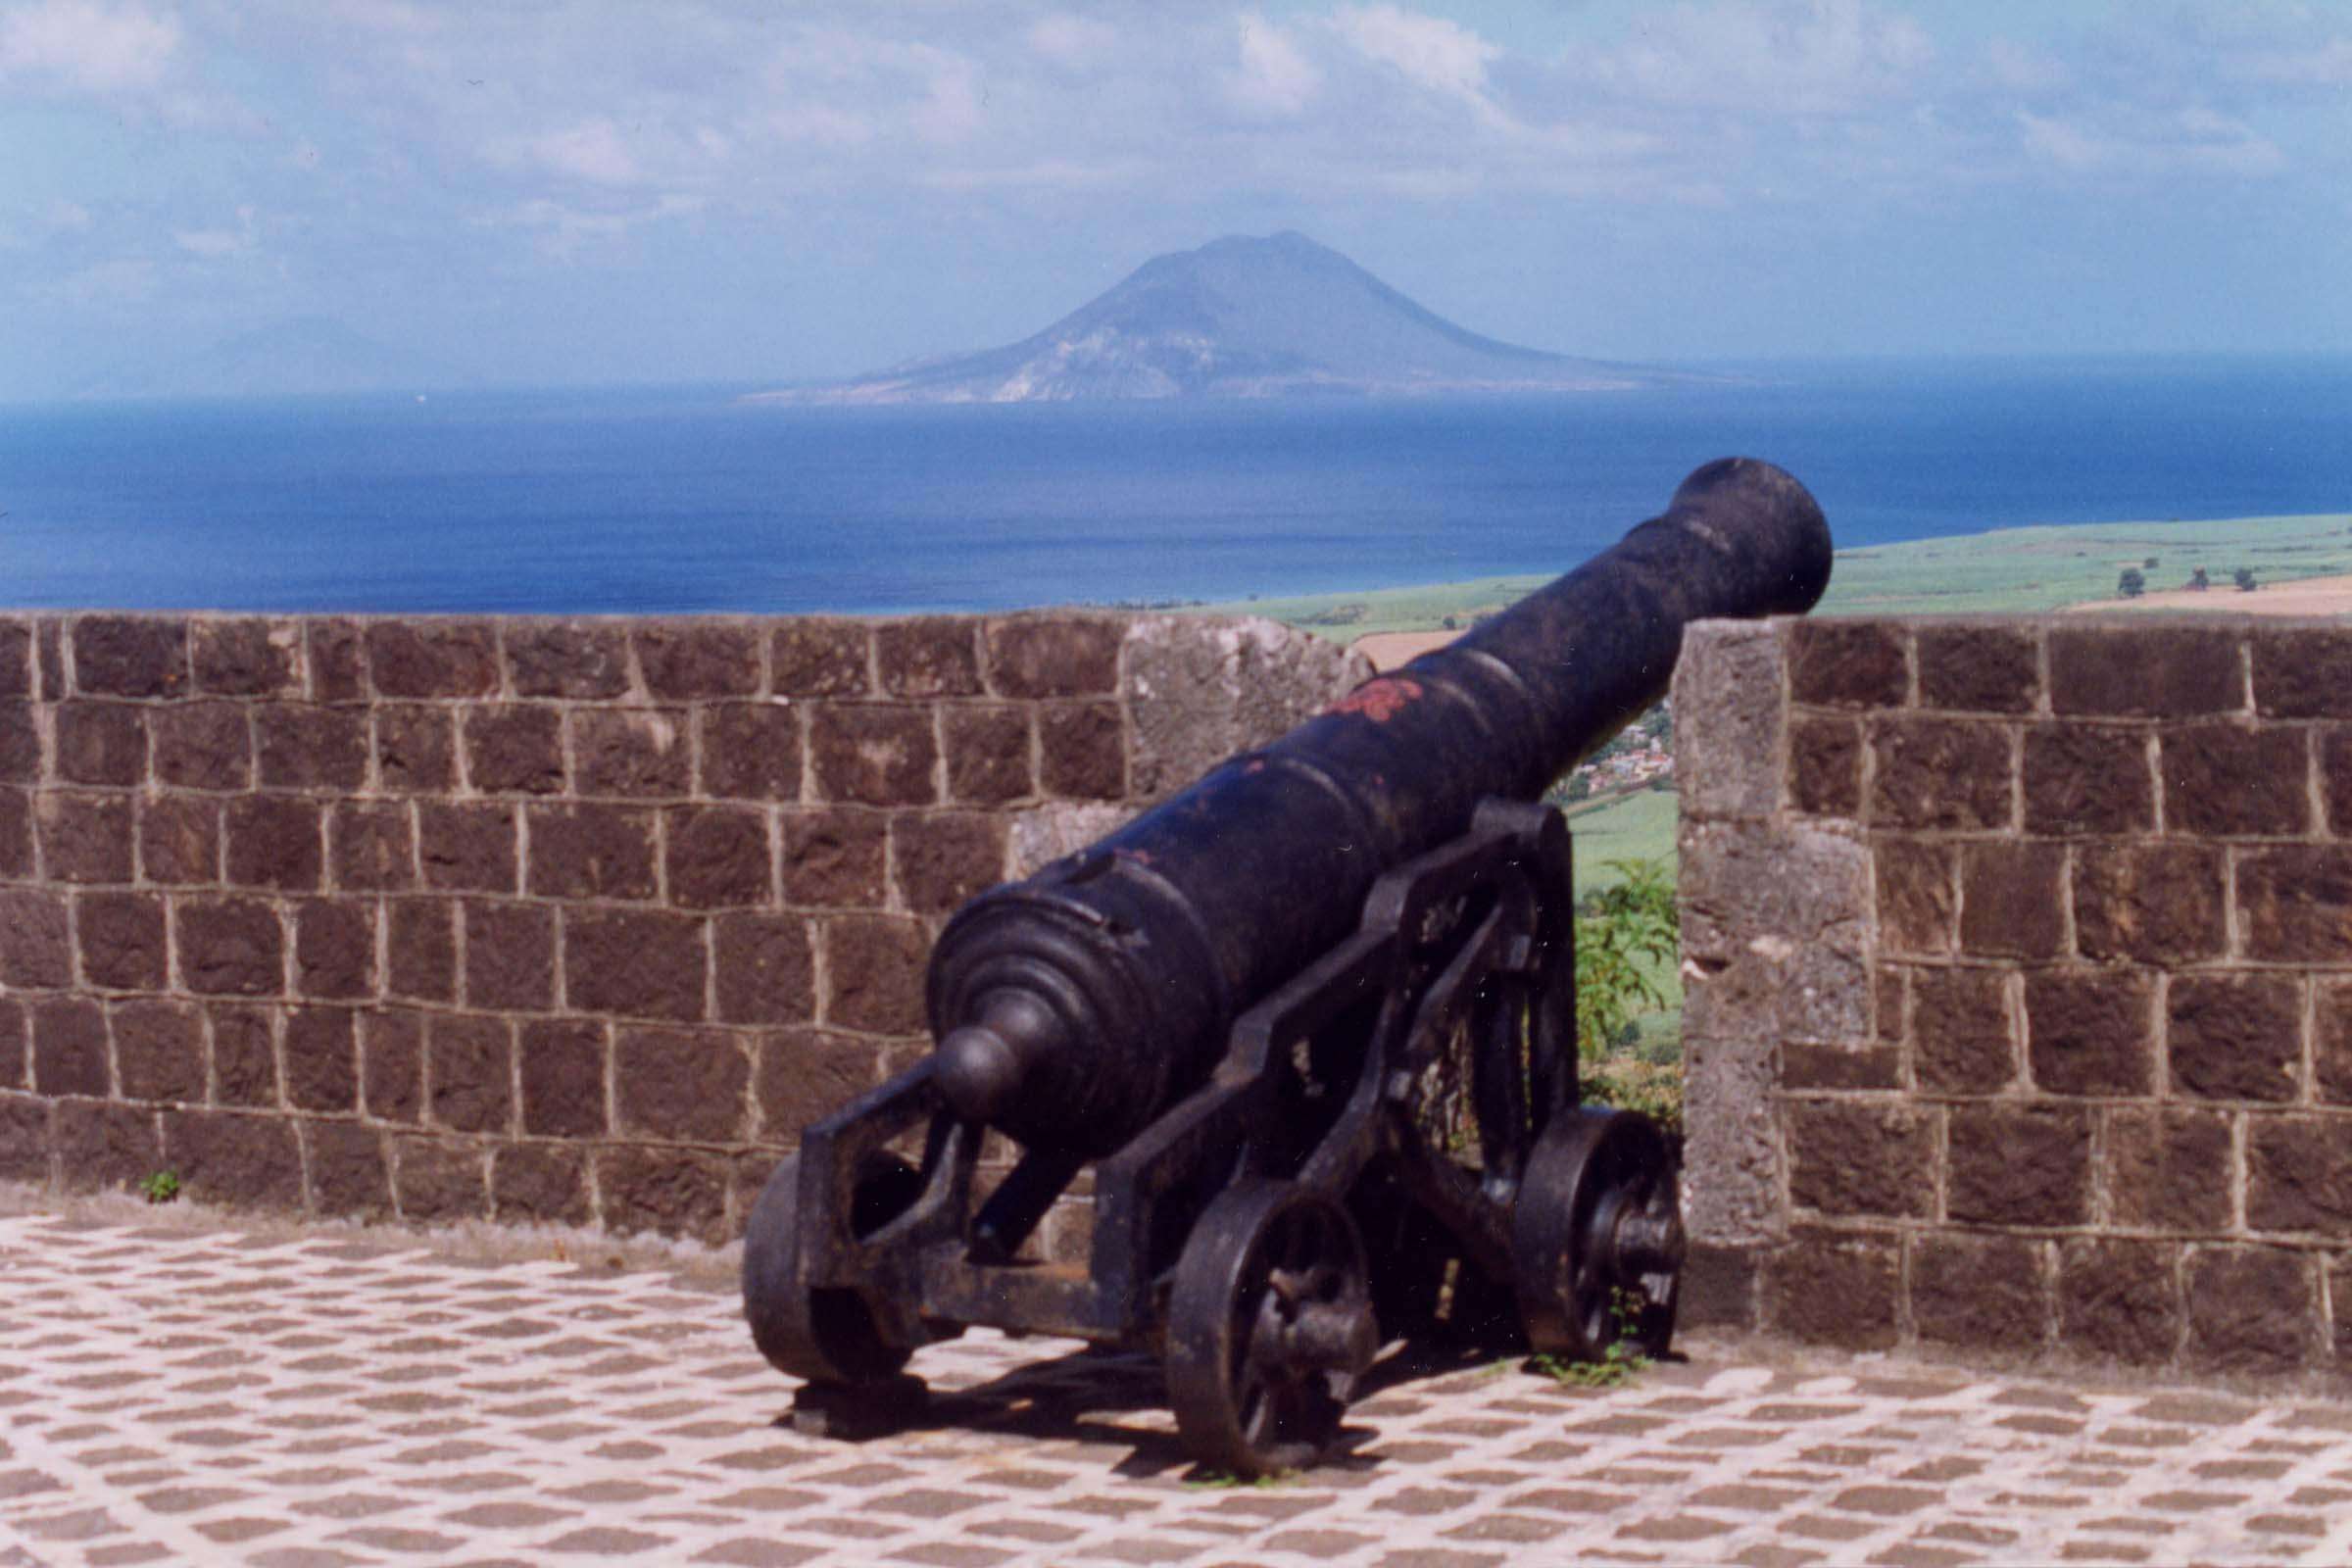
[{"x": 1071, "y": 1007}]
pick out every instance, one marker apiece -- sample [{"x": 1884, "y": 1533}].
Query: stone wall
[
  {"x": 574, "y": 922},
  {"x": 2019, "y": 956}
]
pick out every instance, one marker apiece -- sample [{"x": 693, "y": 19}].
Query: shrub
[
  {"x": 2130, "y": 584},
  {"x": 2244, "y": 578},
  {"x": 1622, "y": 931}
]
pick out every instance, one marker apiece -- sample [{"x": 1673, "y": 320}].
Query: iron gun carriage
[{"x": 1311, "y": 1023}]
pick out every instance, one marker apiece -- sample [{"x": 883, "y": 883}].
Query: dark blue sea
[{"x": 686, "y": 498}]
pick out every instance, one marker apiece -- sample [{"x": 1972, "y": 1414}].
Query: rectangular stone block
[
  {"x": 2252, "y": 1308},
  {"x": 813, "y": 657},
  {"x": 1839, "y": 1288},
  {"x": 2169, "y": 1168},
  {"x": 246, "y": 655},
  {"x": 563, "y": 1072},
  {"x": 2146, "y": 671},
  {"x": 230, "y": 946},
  {"x": 1848, "y": 664},
  {"x": 592, "y": 852},
  {"x": 351, "y": 1171},
  {"x": 935, "y": 656},
  {"x": 16, "y": 834},
  {"x": 751, "y": 750},
  {"x": 638, "y": 753},
  {"x": 643, "y": 964},
  {"x": 535, "y": 1184},
  {"x": 201, "y": 746},
  {"x": 37, "y": 945},
  {"x": 440, "y": 1180},
  {"x": 2159, "y": 904},
  {"x": 420, "y": 949},
  {"x": 2236, "y": 781},
  {"x": 100, "y": 743},
  {"x": 2298, "y": 1180},
  {"x": 2121, "y": 1300},
  {"x": 2092, "y": 1031},
  {"x": 804, "y": 1075},
  {"x": 2295, "y": 904},
  {"x": 416, "y": 749},
  {"x": 662, "y": 1191},
  {"x": 105, "y": 1146},
  {"x": 685, "y": 1084},
  {"x": 1825, "y": 765},
  {"x": 1081, "y": 750},
  {"x": 515, "y": 749},
  {"x": 2018, "y": 1166},
  {"x": 468, "y": 847},
  {"x": 2332, "y": 1041},
  {"x": 16, "y": 659},
  {"x": 20, "y": 743},
  {"x": 835, "y": 858},
  {"x": 1984, "y": 669},
  {"x": 27, "y": 1147},
  {"x": 322, "y": 1063},
  {"x": 873, "y": 754},
  {"x": 1941, "y": 773},
  {"x": 1861, "y": 1157},
  {"x": 244, "y": 1048},
  {"x": 1730, "y": 718},
  {"x": 83, "y": 838},
  {"x": 178, "y": 841},
  {"x": 1052, "y": 656},
  {"x": 1963, "y": 1033},
  {"x": 123, "y": 941},
  {"x": 686, "y": 661},
  {"x": 764, "y": 970},
  {"x": 69, "y": 1048},
  {"x": 300, "y": 745},
  {"x": 275, "y": 841},
  {"x": 2013, "y": 900},
  {"x": 1987, "y": 1292},
  {"x": 873, "y": 969},
  {"x": 718, "y": 858},
  {"x": 335, "y": 949},
  {"x": 392, "y": 1064},
  {"x": 2234, "y": 1037},
  {"x": 336, "y": 660},
  {"x": 941, "y": 858},
  {"x": 2335, "y": 779},
  {"x": 1805, "y": 1064},
  {"x": 2302, "y": 671},
  {"x": 159, "y": 1051},
  {"x": 236, "y": 1162},
  {"x": 432, "y": 658},
  {"x": 469, "y": 1072},
  {"x": 510, "y": 956},
  {"x": 585, "y": 660},
  {"x": 372, "y": 845},
  {"x": 130, "y": 656}
]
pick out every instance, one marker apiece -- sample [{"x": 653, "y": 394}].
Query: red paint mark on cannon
[{"x": 1380, "y": 700}]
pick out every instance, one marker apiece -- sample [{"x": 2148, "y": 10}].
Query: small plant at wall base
[
  {"x": 160, "y": 1187},
  {"x": 1625, "y": 933}
]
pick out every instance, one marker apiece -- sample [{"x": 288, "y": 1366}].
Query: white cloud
[
  {"x": 1772, "y": 56},
  {"x": 1073, "y": 42},
  {"x": 220, "y": 244},
  {"x": 1433, "y": 52},
  {"x": 1274, "y": 78},
  {"x": 2122, "y": 141},
  {"x": 85, "y": 47},
  {"x": 594, "y": 151},
  {"x": 563, "y": 230},
  {"x": 126, "y": 280}
]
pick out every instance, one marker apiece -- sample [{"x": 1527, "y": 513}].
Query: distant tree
[
  {"x": 2244, "y": 578},
  {"x": 2150, "y": 563},
  {"x": 1448, "y": 623},
  {"x": 2130, "y": 584},
  {"x": 2198, "y": 582},
  {"x": 1580, "y": 787}
]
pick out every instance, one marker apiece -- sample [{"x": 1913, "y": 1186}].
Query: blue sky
[{"x": 617, "y": 190}]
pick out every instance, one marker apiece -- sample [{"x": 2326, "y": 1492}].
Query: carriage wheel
[
  {"x": 1596, "y": 1234},
  {"x": 821, "y": 1334}
]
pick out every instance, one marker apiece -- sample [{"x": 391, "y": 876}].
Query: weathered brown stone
[
  {"x": 2019, "y": 1166},
  {"x": 16, "y": 659},
  {"x": 1825, "y": 765},
  {"x": 563, "y": 1073},
  {"x": 680, "y": 1082},
  {"x": 988, "y": 754},
  {"x": 2091, "y": 1032},
  {"x": 940, "y": 859},
  {"x": 763, "y": 971},
  {"x": 2235, "y": 780},
  {"x": 1849, "y": 1157},
  {"x": 592, "y": 852},
  {"x": 514, "y": 750},
  {"x": 422, "y": 949},
  {"x": 35, "y": 948},
  {"x": 26, "y": 1145},
  {"x": 834, "y": 858},
  {"x": 1963, "y": 1041},
  {"x": 201, "y": 746},
  {"x": 571, "y": 658},
  {"x": 246, "y": 655},
  {"x": 274, "y": 842},
  {"x": 68, "y": 1048},
  {"x": 1986, "y": 1292},
  {"x": 2162, "y": 903},
  {"x": 2087, "y": 779},
  {"x": 49, "y": 635},
  {"x": 244, "y": 1057},
  {"x": 102, "y": 1147},
  {"x": 2297, "y": 1178},
  {"x": 304, "y": 747},
  {"x": 805, "y": 1075},
  {"x": 873, "y": 754},
  {"x": 2234, "y": 1037},
  {"x": 663, "y": 1190},
  {"x": 1987, "y": 669},
  {"x": 234, "y": 1160},
  {"x": 536, "y": 1182},
  {"x": 432, "y": 658},
  {"x": 644, "y": 964},
  {"x": 2302, "y": 671},
  {"x": 2012, "y": 900},
  {"x": 335, "y": 949},
  {"x": 1835, "y": 1288},
  {"x": 159, "y": 1051},
  {"x": 16, "y": 834},
  {"x": 1940, "y": 774},
  {"x": 16, "y": 1038},
  {"x": 20, "y": 743},
  {"x": 130, "y": 656},
  {"x": 937, "y": 655},
  {"x": 121, "y": 937},
  {"x": 509, "y": 955},
  {"x": 1052, "y": 656},
  {"x": 2146, "y": 672},
  {"x": 688, "y": 660},
  {"x": 350, "y": 1173},
  {"x": 2331, "y": 1044},
  {"x": 440, "y": 1179},
  {"x": 337, "y": 657},
  {"x": 2296, "y": 903},
  {"x": 467, "y": 847},
  {"x": 416, "y": 750},
  {"x": 817, "y": 657},
  {"x": 874, "y": 968},
  {"x": 101, "y": 743},
  {"x": 392, "y": 1064},
  {"x": 750, "y": 751},
  {"x": 1081, "y": 750},
  {"x": 179, "y": 840},
  {"x": 2121, "y": 1299},
  {"x": 718, "y": 858},
  {"x": 1807, "y": 1065},
  {"x": 322, "y": 1066},
  {"x": 1847, "y": 663},
  {"x": 2252, "y": 1308},
  {"x": 2335, "y": 778},
  {"x": 372, "y": 847},
  {"x": 469, "y": 1072},
  {"x": 83, "y": 838},
  {"x": 642, "y": 752},
  {"x": 230, "y": 946}
]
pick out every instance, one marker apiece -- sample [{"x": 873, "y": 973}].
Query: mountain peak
[{"x": 1243, "y": 315}]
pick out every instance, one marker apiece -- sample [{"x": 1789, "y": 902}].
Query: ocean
[{"x": 689, "y": 500}]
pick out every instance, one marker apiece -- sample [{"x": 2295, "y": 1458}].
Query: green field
[{"x": 1638, "y": 826}]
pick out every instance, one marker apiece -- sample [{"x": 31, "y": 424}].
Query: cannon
[{"x": 1311, "y": 1023}]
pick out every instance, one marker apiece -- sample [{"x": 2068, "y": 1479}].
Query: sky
[{"x": 554, "y": 191}]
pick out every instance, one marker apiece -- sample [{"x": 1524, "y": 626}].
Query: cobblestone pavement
[{"x": 171, "y": 1394}]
